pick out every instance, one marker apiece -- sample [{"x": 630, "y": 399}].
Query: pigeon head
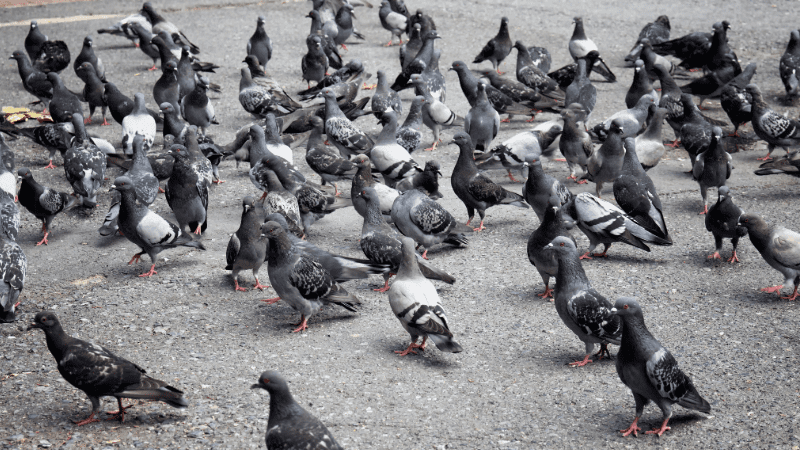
[
  {"x": 462, "y": 139},
  {"x": 317, "y": 122},
  {"x": 723, "y": 192},
  {"x": 44, "y": 320},
  {"x": 85, "y": 67},
  {"x": 262, "y": 20},
  {"x": 458, "y": 66},
  {"x": 520, "y": 46},
  {"x": 417, "y": 79},
  {"x": 368, "y": 194},
  {"x": 626, "y": 306},
  {"x": 185, "y": 51},
  {"x": 361, "y": 160},
  {"x": 166, "y": 108},
  {"x": 272, "y": 229},
  {"x": 328, "y": 93},
  {"x": 248, "y": 203},
  {"x": 54, "y": 78},
  {"x": 387, "y": 118},
  {"x": 24, "y": 173},
  {"x": 616, "y": 126},
  {"x": 716, "y": 133},
  {"x": 562, "y": 243},
  {"x": 753, "y": 90},
  {"x": 504, "y": 21},
  {"x": 256, "y": 132},
  {"x": 87, "y": 41},
  {"x": 34, "y": 24},
  {"x": 433, "y": 166},
  {"x": 179, "y": 152},
  {"x": 272, "y": 382},
  {"x": 577, "y": 20},
  {"x": 753, "y": 222},
  {"x": 355, "y": 65},
  {"x": 122, "y": 183},
  {"x": 18, "y": 55},
  {"x": 431, "y": 34},
  {"x": 663, "y": 20}
]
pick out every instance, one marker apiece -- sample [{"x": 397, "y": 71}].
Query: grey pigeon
[
  {"x": 424, "y": 58},
  {"x": 581, "y": 91},
  {"x": 392, "y": 21},
  {"x": 290, "y": 426},
  {"x": 276, "y": 198},
  {"x": 787, "y": 164},
  {"x": 540, "y": 187},
  {"x": 151, "y": 232},
  {"x": 314, "y": 63},
  {"x": 415, "y": 303},
  {"x": 273, "y": 141},
  {"x": 636, "y": 194},
  {"x": 713, "y": 167},
  {"x": 435, "y": 114},
  {"x": 363, "y": 179},
  {"x": 433, "y": 77},
  {"x": 196, "y": 108},
  {"x": 580, "y": 45},
  {"x": 64, "y": 103},
  {"x": 300, "y": 280},
  {"x": 735, "y": 101},
  {"x": 259, "y": 44},
  {"x": 173, "y": 124},
  {"x": 512, "y": 153},
  {"x": 123, "y": 27},
  {"x": 650, "y": 371},
  {"x": 389, "y": 157},
  {"x": 605, "y": 164},
  {"x": 775, "y": 129},
  {"x": 631, "y": 120},
  {"x": 145, "y": 37},
  {"x": 542, "y": 257},
  {"x": 33, "y": 80},
  {"x": 496, "y": 50},
  {"x": 247, "y": 248},
  {"x": 583, "y": 310},
  {"x": 513, "y": 91},
  {"x": 325, "y": 161},
  {"x": 93, "y": 91},
  {"x": 34, "y": 40},
  {"x": 167, "y": 88},
  {"x": 9, "y": 217},
  {"x": 780, "y": 248},
  {"x": 197, "y": 160},
  {"x": 789, "y": 66},
  {"x": 655, "y": 32},
  {"x": 99, "y": 373},
  {"x": 13, "y": 266},
  {"x": 691, "y": 49},
  {"x": 187, "y": 193},
  {"x": 427, "y": 222},
  {"x": 411, "y": 47},
  {"x": 722, "y": 221},
  {"x": 576, "y": 146},
  {"x": 87, "y": 55},
  {"x": 84, "y": 165},
  {"x": 695, "y": 131},
  {"x": 344, "y": 22},
  {"x": 256, "y": 99},
  {"x": 41, "y": 201},
  {"x": 649, "y": 145},
  {"x": 427, "y": 181},
  {"x": 482, "y": 122},
  {"x": 385, "y": 99},
  {"x": 162, "y": 24},
  {"x": 604, "y": 223},
  {"x": 138, "y": 122},
  {"x": 640, "y": 86},
  {"x": 326, "y": 32},
  {"x": 341, "y": 131},
  {"x": 533, "y": 77},
  {"x": 409, "y": 135}
]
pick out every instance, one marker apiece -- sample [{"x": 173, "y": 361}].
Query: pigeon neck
[
  {"x": 383, "y": 86},
  {"x": 315, "y": 139},
  {"x": 580, "y": 71},
  {"x": 426, "y": 51},
  {"x": 630, "y": 162},
  {"x": 794, "y": 45},
  {"x": 503, "y": 33},
  {"x": 653, "y": 131},
  {"x": 612, "y": 144},
  {"x": 641, "y": 81},
  {"x": 24, "y": 67},
  {"x": 198, "y": 96},
  {"x": 551, "y": 222},
  {"x": 578, "y": 33},
  {"x": 388, "y": 132},
  {"x": 260, "y": 32},
  {"x": 273, "y": 182},
  {"x": 332, "y": 108},
  {"x": 281, "y": 406},
  {"x": 271, "y": 133},
  {"x": 570, "y": 272},
  {"x": 173, "y": 126},
  {"x": 414, "y": 117},
  {"x": 535, "y": 174},
  {"x": 523, "y": 58},
  {"x": 719, "y": 42},
  {"x": 128, "y": 202},
  {"x": 57, "y": 340},
  {"x": 760, "y": 234},
  {"x": 469, "y": 84},
  {"x": 668, "y": 85},
  {"x": 280, "y": 248},
  {"x": 139, "y": 155},
  {"x": 466, "y": 162},
  {"x": 634, "y": 331},
  {"x": 373, "y": 214},
  {"x": 364, "y": 175},
  {"x": 409, "y": 268}
]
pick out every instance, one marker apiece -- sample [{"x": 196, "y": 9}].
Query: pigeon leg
[
  {"x": 136, "y": 258},
  {"x": 409, "y": 349},
  {"x": 425, "y": 255},
  {"x": 705, "y": 210},
  {"x": 770, "y": 290},
  {"x": 424, "y": 341},
  {"x": 336, "y": 191},
  {"x": 547, "y": 292},
  {"x": 632, "y": 429},
  {"x": 49, "y": 166},
  {"x": 605, "y": 251},
  {"x": 259, "y": 286},
  {"x": 603, "y": 351},
  {"x": 198, "y": 230},
  {"x": 303, "y": 325},
  {"x": 770, "y": 148},
  {"x": 237, "y": 287},
  {"x": 585, "y": 256},
  {"x": 368, "y": 87},
  {"x": 218, "y": 181},
  {"x": 674, "y": 143},
  {"x": 433, "y": 147},
  {"x": 389, "y": 44},
  {"x": 661, "y": 430},
  {"x": 511, "y": 176},
  {"x": 585, "y": 361},
  {"x": 161, "y": 190},
  {"x": 87, "y": 120},
  {"x": 733, "y": 258},
  {"x": 533, "y": 117},
  {"x": 793, "y": 296},
  {"x": 263, "y": 197},
  {"x": 560, "y": 159},
  {"x": 152, "y": 68},
  {"x": 270, "y": 301},
  {"x": 480, "y": 227},
  {"x": 150, "y": 273},
  {"x": 714, "y": 255},
  {"x": 344, "y": 47},
  {"x": 87, "y": 420},
  {"x": 506, "y": 120},
  {"x": 121, "y": 413},
  {"x": 384, "y": 288}
]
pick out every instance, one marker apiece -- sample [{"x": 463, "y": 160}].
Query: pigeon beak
[
  {"x": 613, "y": 311},
  {"x": 255, "y": 386},
  {"x": 32, "y": 326}
]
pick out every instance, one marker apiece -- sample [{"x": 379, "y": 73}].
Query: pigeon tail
[
  {"x": 166, "y": 394},
  {"x": 445, "y": 343},
  {"x": 433, "y": 273},
  {"x": 693, "y": 400},
  {"x": 457, "y": 239}
]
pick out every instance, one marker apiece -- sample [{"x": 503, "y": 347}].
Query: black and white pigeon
[
  {"x": 636, "y": 194},
  {"x": 775, "y": 129},
  {"x": 41, "y": 201},
  {"x": 55, "y": 137},
  {"x": 34, "y": 40},
  {"x": 138, "y": 122},
  {"x": 144, "y": 179},
  {"x": 530, "y": 75},
  {"x": 482, "y": 121},
  {"x": 33, "y": 80},
  {"x": 632, "y": 120},
  {"x": 326, "y": 161},
  {"x": 167, "y": 88},
  {"x": 787, "y": 164},
  {"x": 300, "y": 280},
  {"x": 99, "y": 373},
  {"x": 197, "y": 159},
  {"x": 93, "y": 91},
  {"x": 64, "y": 103},
  {"x": 394, "y": 22},
  {"x": 385, "y": 99},
  {"x": 580, "y": 45},
  {"x": 780, "y": 248},
  {"x": 605, "y": 163},
  {"x": 247, "y": 248},
  {"x": 151, "y": 232},
  {"x": 789, "y": 66},
  {"x": 123, "y": 27},
  {"x": 364, "y": 178},
  {"x": 187, "y": 193},
  {"x": 415, "y": 302},
  {"x": 8, "y": 174},
  {"x": 713, "y": 167},
  {"x": 289, "y": 425},
  {"x": 604, "y": 223},
  {"x": 276, "y": 198},
  {"x": 475, "y": 190},
  {"x": 389, "y": 157},
  {"x": 650, "y": 145},
  {"x": 256, "y": 99},
  {"x": 13, "y": 267},
  {"x": 9, "y": 216},
  {"x": 655, "y": 32},
  {"x": 427, "y": 222},
  {"x": 162, "y": 24},
  {"x": 314, "y": 63},
  {"x": 341, "y": 131},
  {"x": 512, "y": 153},
  {"x": 640, "y": 86},
  {"x": 409, "y": 135},
  {"x": 435, "y": 114},
  {"x": 427, "y": 180},
  {"x": 576, "y": 146},
  {"x": 121, "y": 105},
  {"x": 259, "y": 44},
  {"x": 542, "y": 257},
  {"x": 87, "y": 55},
  {"x": 498, "y": 48},
  {"x": 84, "y": 165},
  {"x": 735, "y": 101},
  {"x": 196, "y": 108},
  {"x": 540, "y": 187},
  {"x": 583, "y": 310},
  {"x": 650, "y": 371},
  {"x": 722, "y": 221}
]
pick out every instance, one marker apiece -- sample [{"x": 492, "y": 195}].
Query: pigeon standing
[
  {"x": 775, "y": 129},
  {"x": 530, "y": 75},
  {"x": 139, "y": 121},
  {"x": 496, "y": 50},
  {"x": 713, "y": 167},
  {"x": 649, "y": 145},
  {"x": 84, "y": 165},
  {"x": 655, "y": 32},
  {"x": 543, "y": 258},
  {"x": 512, "y": 153},
  {"x": 482, "y": 122},
  {"x": 314, "y": 63},
  {"x": 735, "y": 101},
  {"x": 99, "y": 373},
  {"x": 640, "y": 86},
  {"x": 780, "y": 248},
  {"x": 389, "y": 157},
  {"x": 789, "y": 66},
  {"x": 581, "y": 91},
  {"x": 540, "y": 187},
  {"x": 341, "y": 131},
  {"x": 576, "y": 146},
  {"x": 260, "y": 44},
  {"x": 34, "y": 40},
  {"x": 290, "y": 426},
  {"x": 650, "y": 370},
  {"x": 636, "y": 194},
  {"x": 409, "y": 135},
  {"x": 435, "y": 114},
  {"x": 694, "y": 130},
  {"x": 583, "y": 310},
  {"x": 276, "y": 198},
  {"x": 392, "y": 21},
  {"x": 255, "y": 98},
  {"x": 247, "y": 248},
  {"x": 325, "y": 161},
  {"x": 605, "y": 164},
  {"x": 196, "y": 108},
  {"x": 64, "y": 103},
  {"x": 41, "y": 201},
  {"x": 93, "y": 91},
  {"x": 580, "y": 45},
  {"x": 87, "y": 55},
  {"x": 187, "y": 193},
  {"x": 364, "y": 179},
  {"x": 385, "y": 99},
  {"x": 427, "y": 222},
  {"x": 161, "y": 24},
  {"x": 13, "y": 266},
  {"x": 722, "y": 221},
  {"x": 167, "y": 89},
  {"x": 33, "y": 80}
]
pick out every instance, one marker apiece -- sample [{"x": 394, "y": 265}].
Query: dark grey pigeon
[
  {"x": 34, "y": 40},
  {"x": 326, "y": 161},
  {"x": 650, "y": 145},
  {"x": 415, "y": 303},
  {"x": 434, "y": 80},
  {"x": 187, "y": 77},
  {"x": 9, "y": 217},
  {"x": 385, "y": 99},
  {"x": 392, "y": 21},
  {"x": 344, "y": 21},
  {"x": 341, "y": 131},
  {"x": 187, "y": 193},
  {"x": 775, "y": 129},
  {"x": 173, "y": 124},
  {"x": 122, "y": 28},
  {"x": 713, "y": 167},
  {"x": 789, "y": 66},
  {"x": 636, "y": 194},
  {"x": 13, "y": 266},
  {"x": 389, "y": 157},
  {"x": 427, "y": 222},
  {"x": 300, "y": 280},
  {"x": 55, "y": 137},
  {"x": 290, "y": 426},
  {"x": 64, "y": 103},
  {"x": 409, "y": 135},
  {"x": 151, "y": 232},
  {"x": 780, "y": 248},
  {"x": 146, "y": 45},
  {"x": 33, "y": 80},
  {"x": 427, "y": 180},
  {"x": 515, "y": 92},
  {"x": 655, "y": 32},
  {"x": 247, "y": 248},
  {"x": 788, "y": 164},
  {"x": 695, "y": 131},
  {"x": 498, "y": 48},
  {"x": 722, "y": 221},
  {"x": 533, "y": 77},
  {"x": 423, "y": 58},
  {"x": 581, "y": 91},
  {"x": 640, "y": 86},
  {"x": 364, "y": 178},
  {"x": 276, "y": 198},
  {"x": 583, "y": 310},
  {"x": 84, "y": 165},
  {"x": 162, "y": 24},
  {"x": 411, "y": 47},
  {"x": 580, "y": 45},
  {"x": 482, "y": 122},
  {"x": 93, "y": 91},
  {"x": 87, "y": 55},
  {"x": 576, "y": 146},
  {"x": 314, "y": 63},
  {"x": 196, "y": 109},
  {"x": 605, "y": 164},
  {"x": 259, "y": 44},
  {"x": 41, "y": 201},
  {"x": 650, "y": 370},
  {"x": 167, "y": 49},
  {"x": 735, "y": 101},
  {"x": 540, "y": 187},
  {"x": 53, "y": 57},
  {"x": 691, "y": 49},
  {"x": 140, "y": 122},
  {"x": 542, "y": 257},
  {"x": 653, "y": 62},
  {"x": 99, "y": 373}
]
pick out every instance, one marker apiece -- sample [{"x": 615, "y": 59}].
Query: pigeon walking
[
  {"x": 482, "y": 122},
  {"x": 779, "y": 247},
  {"x": 576, "y": 146},
  {"x": 341, "y": 131},
  {"x": 364, "y": 179},
  {"x": 247, "y": 248},
  {"x": 33, "y": 80},
  {"x": 197, "y": 109},
  {"x": 649, "y": 145},
  {"x": 605, "y": 164},
  {"x": 325, "y": 161},
  {"x": 34, "y": 40},
  {"x": 636, "y": 194},
  {"x": 87, "y": 55},
  {"x": 775, "y": 129},
  {"x": 93, "y": 91},
  {"x": 496, "y": 50},
  {"x": 64, "y": 103},
  {"x": 187, "y": 193},
  {"x": 542, "y": 257},
  {"x": 260, "y": 44},
  {"x": 139, "y": 122},
  {"x": 162, "y": 24},
  {"x": 389, "y": 157},
  {"x": 722, "y": 221},
  {"x": 84, "y": 165},
  {"x": 580, "y": 45},
  {"x": 540, "y": 187},
  {"x": 41, "y": 201},
  {"x": 392, "y": 21},
  {"x": 427, "y": 222},
  {"x": 713, "y": 167}
]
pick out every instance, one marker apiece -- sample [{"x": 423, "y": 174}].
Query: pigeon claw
[
  {"x": 773, "y": 289},
  {"x": 236, "y": 286},
  {"x": 582, "y": 181},
  {"x": 661, "y": 430},
  {"x": 152, "y": 68},
  {"x": 793, "y": 296},
  {"x": 49, "y": 166},
  {"x": 198, "y": 230},
  {"x": 511, "y": 177},
  {"x": 425, "y": 255},
  {"x": 705, "y": 210},
  {"x": 506, "y": 120},
  {"x": 271, "y": 301},
  {"x": 585, "y": 256},
  {"x": 259, "y": 286},
  {"x": 547, "y": 293},
  {"x": 105, "y": 122},
  {"x": 119, "y": 414},
  {"x": 480, "y": 227},
  {"x": 218, "y": 181},
  {"x": 603, "y": 352},
  {"x": 563, "y": 160},
  {"x": 714, "y": 255},
  {"x": 634, "y": 428},
  {"x": 582, "y": 363},
  {"x": 303, "y": 325},
  {"x": 150, "y": 273},
  {"x": 674, "y": 143},
  {"x": 410, "y": 349},
  {"x": 44, "y": 240},
  {"x": 87, "y": 120},
  {"x": 135, "y": 258},
  {"x": 85, "y": 421},
  {"x": 734, "y": 258},
  {"x": 368, "y": 87},
  {"x": 384, "y": 288},
  {"x": 765, "y": 158}
]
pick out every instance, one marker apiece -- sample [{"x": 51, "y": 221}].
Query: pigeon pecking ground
[{"x": 510, "y": 388}]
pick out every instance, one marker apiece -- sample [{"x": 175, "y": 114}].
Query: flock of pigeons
[{"x": 401, "y": 215}]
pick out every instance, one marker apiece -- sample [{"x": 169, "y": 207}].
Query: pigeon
[
  {"x": 34, "y": 40},
  {"x": 581, "y": 91},
  {"x": 327, "y": 31},
  {"x": 197, "y": 160},
  {"x": 55, "y": 137},
  {"x": 710, "y": 85},
  {"x": 144, "y": 34},
  {"x": 426, "y": 22},
  {"x": 514, "y": 91},
  {"x": 273, "y": 142},
  {"x": 299, "y": 279},
  {"x": 636, "y": 194},
  {"x": 13, "y": 266},
  {"x": 566, "y": 74},
  {"x": 256, "y": 99},
  {"x": 409, "y": 135},
  {"x": 427, "y": 181},
  {"x": 123, "y": 27},
  {"x": 649, "y": 145},
  {"x": 341, "y": 131},
  {"x": 259, "y": 44},
  {"x": 655, "y": 32},
  {"x": 632, "y": 120},
  {"x": 167, "y": 49},
  {"x": 650, "y": 370},
  {"x": 99, "y": 373},
  {"x": 789, "y": 66},
  {"x": 722, "y": 221},
  {"x": 33, "y": 80},
  {"x": 84, "y": 165},
  {"x": 314, "y": 203},
  {"x": 533, "y": 77},
  {"x": 363, "y": 179},
  {"x": 120, "y": 105},
  {"x": 41, "y": 201},
  {"x": 385, "y": 99},
  {"x": 145, "y": 182},
  {"x": 691, "y": 49},
  {"x": 720, "y": 55},
  {"x": 423, "y": 58},
  {"x": 713, "y": 166},
  {"x": 53, "y": 57},
  {"x": 604, "y": 223},
  {"x": 389, "y": 157},
  {"x": 543, "y": 258},
  {"x": 9, "y": 217},
  {"x": 605, "y": 164},
  {"x": 695, "y": 131},
  {"x": 151, "y": 232},
  {"x": 87, "y": 55},
  {"x": 653, "y": 61},
  {"x": 411, "y": 47},
  {"x": 394, "y": 22},
  {"x": 8, "y": 176},
  {"x": 640, "y": 87},
  {"x": 93, "y": 91},
  {"x": 780, "y": 248},
  {"x": 787, "y": 164},
  {"x": 775, "y": 129},
  {"x": 540, "y": 187},
  {"x": 735, "y": 101},
  {"x": 576, "y": 146},
  {"x": 276, "y": 198},
  {"x": 498, "y": 48},
  {"x": 580, "y": 45},
  {"x": 247, "y": 248},
  {"x": 138, "y": 122},
  {"x": 344, "y": 21},
  {"x": 475, "y": 190},
  {"x": 162, "y": 24},
  {"x": 173, "y": 124},
  {"x": 64, "y": 103},
  {"x": 433, "y": 78},
  {"x": 196, "y": 109},
  {"x": 512, "y": 153},
  {"x": 167, "y": 88},
  {"x": 435, "y": 114},
  {"x": 427, "y": 222},
  {"x": 325, "y": 161},
  {"x": 290, "y": 426},
  {"x": 314, "y": 63},
  {"x": 415, "y": 302},
  {"x": 482, "y": 122},
  {"x": 187, "y": 193},
  {"x": 583, "y": 310}
]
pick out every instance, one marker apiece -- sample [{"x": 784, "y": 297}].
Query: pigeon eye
[
  {"x": 561, "y": 244},
  {"x": 625, "y": 307}
]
